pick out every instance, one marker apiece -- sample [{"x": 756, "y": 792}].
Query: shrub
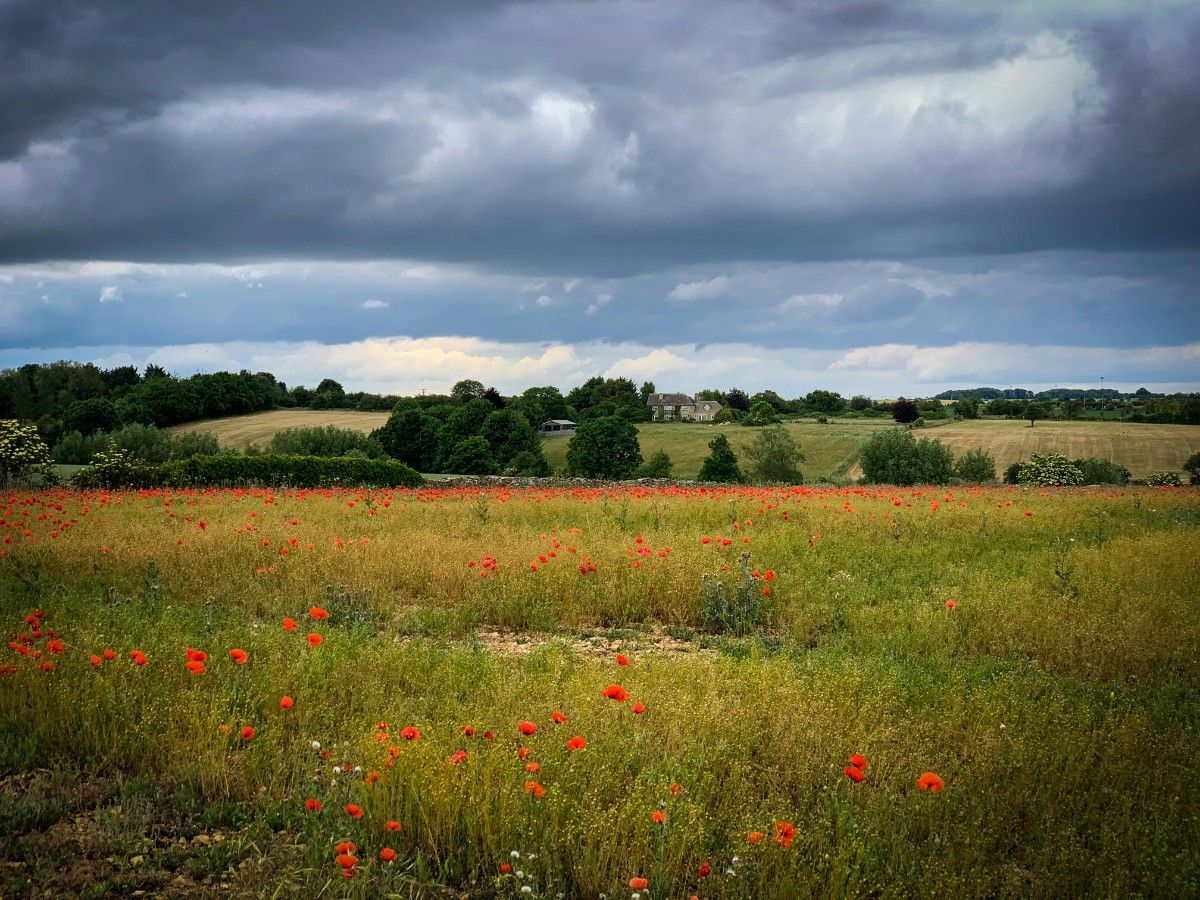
[
  {"x": 324, "y": 440},
  {"x": 114, "y": 468},
  {"x": 604, "y": 447},
  {"x": 1049, "y": 469},
  {"x": 738, "y": 615},
  {"x": 905, "y": 411},
  {"x": 145, "y": 443},
  {"x": 288, "y": 471},
  {"x": 775, "y": 457},
  {"x": 1165, "y": 479},
  {"x": 472, "y": 456},
  {"x": 1102, "y": 471},
  {"x": 894, "y": 456},
  {"x": 761, "y": 413},
  {"x": 721, "y": 464},
  {"x": 528, "y": 464},
  {"x": 657, "y": 466},
  {"x": 976, "y": 466},
  {"x": 1012, "y": 474},
  {"x": 22, "y": 452},
  {"x": 1192, "y": 467}
]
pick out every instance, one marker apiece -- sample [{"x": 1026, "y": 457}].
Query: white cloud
[
  {"x": 699, "y": 290},
  {"x": 804, "y": 302},
  {"x": 601, "y": 301},
  {"x": 544, "y": 301},
  {"x": 375, "y": 304},
  {"x": 111, "y": 294},
  {"x": 570, "y": 284}
]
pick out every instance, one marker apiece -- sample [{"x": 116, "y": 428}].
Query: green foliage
[
  {"x": 288, "y": 471},
  {"x": 145, "y": 443},
  {"x": 114, "y": 468},
  {"x": 905, "y": 411},
  {"x": 327, "y": 440},
  {"x": 528, "y": 464},
  {"x": 976, "y": 466},
  {"x": 604, "y": 447},
  {"x": 721, "y": 464},
  {"x": 657, "y": 466},
  {"x": 1034, "y": 410},
  {"x": 774, "y": 457},
  {"x": 472, "y": 456},
  {"x": 1164, "y": 479},
  {"x": 1049, "y": 469},
  {"x": 1192, "y": 467},
  {"x": 1012, "y": 474},
  {"x": 467, "y": 390},
  {"x": 508, "y": 433},
  {"x": 739, "y": 614},
  {"x": 761, "y": 414},
  {"x": 411, "y": 435},
  {"x": 22, "y": 452},
  {"x": 89, "y": 416},
  {"x": 860, "y": 403},
  {"x": 1102, "y": 471},
  {"x": 967, "y": 408},
  {"x": 828, "y": 402},
  {"x": 894, "y": 456}
]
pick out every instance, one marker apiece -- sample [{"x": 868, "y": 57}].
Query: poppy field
[{"x": 625, "y": 692}]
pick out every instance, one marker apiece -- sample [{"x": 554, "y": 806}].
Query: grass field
[
  {"x": 1031, "y": 651},
  {"x": 830, "y": 449},
  {"x": 238, "y": 432}
]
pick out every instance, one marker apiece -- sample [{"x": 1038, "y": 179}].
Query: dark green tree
[
  {"x": 471, "y": 457},
  {"x": 774, "y": 457},
  {"x": 1033, "y": 411},
  {"x": 976, "y": 466},
  {"x": 761, "y": 413},
  {"x": 605, "y": 447},
  {"x": 905, "y": 411},
  {"x": 89, "y": 416},
  {"x": 467, "y": 390},
  {"x": 412, "y": 436},
  {"x": 721, "y": 464},
  {"x": 657, "y": 466},
  {"x": 894, "y": 456}
]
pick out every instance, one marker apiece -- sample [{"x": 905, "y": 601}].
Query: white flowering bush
[
  {"x": 1165, "y": 479},
  {"x": 115, "y": 468},
  {"x": 1049, "y": 469},
  {"x": 22, "y": 452}
]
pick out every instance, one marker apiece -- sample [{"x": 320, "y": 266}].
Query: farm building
[
  {"x": 557, "y": 426},
  {"x": 668, "y": 407}
]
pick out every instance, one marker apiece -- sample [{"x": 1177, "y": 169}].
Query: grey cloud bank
[{"x": 817, "y": 177}]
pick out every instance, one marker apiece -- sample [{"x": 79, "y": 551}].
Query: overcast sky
[{"x": 876, "y": 197}]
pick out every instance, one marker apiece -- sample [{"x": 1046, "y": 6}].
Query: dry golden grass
[
  {"x": 239, "y": 432},
  {"x": 1144, "y": 449}
]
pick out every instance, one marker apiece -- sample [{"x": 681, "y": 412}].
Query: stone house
[{"x": 668, "y": 407}]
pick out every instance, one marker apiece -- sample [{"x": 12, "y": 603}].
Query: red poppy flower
[
  {"x": 505, "y": 868},
  {"x": 195, "y": 667},
  {"x": 469, "y": 730},
  {"x": 387, "y": 854},
  {"x": 576, "y": 743},
  {"x": 315, "y": 639},
  {"x": 622, "y": 659},
  {"x": 704, "y": 869},
  {"x": 290, "y": 624},
  {"x": 522, "y": 752},
  {"x": 391, "y": 825},
  {"x": 353, "y": 810},
  {"x": 346, "y": 847},
  {"x": 286, "y": 702},
  {"x": 313, "y": 805},
  {"x": 558, "y": 717},
  {"x": 533, "y": 767},
  {"x": 534, "y": 789},
  {"x": 410, "y": 734},
  {"x": 785, "y": 833},
  {"x": 930, "y": 782},
  {"x": 639, "y": 708},
  {"x": 527, "y": 728},
  {"x": 138, "y": 657},
  {"x": 317, "y": 613},
  {"x": 638, "y": 883},
  {"x": 247, "y": 733},
  {"x": 194, "y": 655},
  {"x": 346, "y": 861},
  {"x": 755, "y": 836},
  {"x": 658, "y": 817},
  {"x": 854, "y": 773},
  {"x": 615, "y": 692},
  {"x": 54, "y": 647},
  {"x": 95, "y": 660},
  {"x": 950, "y": 604},
  {"x": 676, "y": 789},
  {"x": 110, "y": 655},
  {"x": 858, "y": 761},
  {"x": 458, "y": 756},
  {"x": 238, "y": 656}
]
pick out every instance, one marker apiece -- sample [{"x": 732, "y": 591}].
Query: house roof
[
  {"x": 557, "y": 422},
  {"x": 708, "y": 406},
  {"x": 669, "y": 400}
]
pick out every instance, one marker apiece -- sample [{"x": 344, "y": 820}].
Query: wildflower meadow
[{"x": 601, "y": 692}]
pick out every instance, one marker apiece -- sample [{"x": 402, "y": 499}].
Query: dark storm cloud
[{"x": 590, "y": 138}]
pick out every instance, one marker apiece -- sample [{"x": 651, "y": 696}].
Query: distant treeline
[{"x": 990, "y": 393}]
